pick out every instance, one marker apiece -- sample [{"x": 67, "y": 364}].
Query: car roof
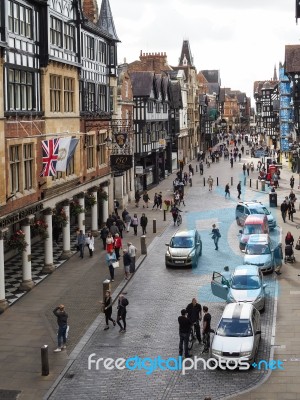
[
  {"x": 185, "y": 233},
  {"x": 238, "y": 310},
  {"x": 259, "y": 238},
  {"x": 251, "y": 203},
  {"x": 246, "y": 270},
  {"x": 255, "y": 218}
]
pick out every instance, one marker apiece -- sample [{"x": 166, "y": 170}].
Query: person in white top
[
  {"x": 132, "y": 254},
  {"x": 90, "y": 242}
]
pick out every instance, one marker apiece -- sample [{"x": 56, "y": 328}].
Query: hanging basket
[
  {"x": 17, "y": 241},
  {"x": 39, "y": 227},
  {"x": 59, "y": 218}
]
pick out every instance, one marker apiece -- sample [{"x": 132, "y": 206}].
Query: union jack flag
[{"x": 50, "y": 154}]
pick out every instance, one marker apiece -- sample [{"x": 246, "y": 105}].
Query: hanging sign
[
  {"x": 121, "y": 162},
  {"x": 120, "y": 139}
]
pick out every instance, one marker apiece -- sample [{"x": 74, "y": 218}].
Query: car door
[
  {"x": 219, "y": 286},
  {"x": 256, "y": 327}
]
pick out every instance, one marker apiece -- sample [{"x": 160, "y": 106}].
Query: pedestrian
[
  {"x": 194, "y": 311},
  {"x": 201, "y": 168},
  {"x": 116, "y": 206},
  {"x": 159, "y": 199},
  {"x": 117, "y": 245},
  {"x": 248, "y": 168},
  {"x": 278, "y": 257},
  {"x": 143, "y": 223},
  {"x": 110, "y": 220},
  {"x": 132, "y": 254},
  {"x": 122, "y": 304},
  {"x": 175, "y": 211},
  {"x": 242, "y": 149},
  {"x": 283, "y": 208},
  {"x": 181, "y": 198},
  {"x": 185, "y": 326},
  {"x": 244, "y": 169},
  {"x": 155, "y": 201},
  {"x": 226, "y": 274},
  {"x": 127, "y": 221},
  {"x": 206, "y": 329},
  {"x": 114, "y": 229},
  {"x": 103, "y": 234},
  {"x": 210, "y": 182},
  {"x": 227, "y": 190},
  {"x": 146, "y": 199},
  {"x": 291, "y": 211},
  {"x": 137, "y": 197},
  {"x": 292, "y": 182},
  {"x": 110, "y": 260},
  {"x": 109, "y": 243},
  {"x": 62, "y": 322},
  {"x": 108, "y": 309},
  {"x": 90, "y": 242},
  {"x": 215, "y": 235},
  {"x": 121, "y": 226},
  {"x": 231, "y": 162},
  {"x": 239, "y": 189},
  {"x": 126, "y": 262},
  {"x": 124, "y": 213},
  {"x": 258, "y": 166},
  {"x": 289, "y": 239},
  {"x": 292, "y": 197},
  {"x": 81, "y": 243},
  {"x": 135, "y": 223},
  {"x": 240, "y": 156}
]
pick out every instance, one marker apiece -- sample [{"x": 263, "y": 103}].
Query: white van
[{"x": 238, "y": 334}]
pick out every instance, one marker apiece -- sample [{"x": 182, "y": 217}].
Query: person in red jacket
[{"x": 118, "y": 245}]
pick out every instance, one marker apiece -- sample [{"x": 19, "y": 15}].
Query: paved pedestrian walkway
[{"x": 29, "y": 323}]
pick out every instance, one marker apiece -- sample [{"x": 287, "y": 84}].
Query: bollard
[
  {"x": 45, "y": 361},
  {"x": 196, "y": 168},
  {"x": 206, "y": 161},
  {"x": 245, "y": 181},
  {"x": 106, "y": 286},
  {"x": 250, "y": 182},
  {"x": 143, "y": 244},
  {"x": 165, "y": 215},
  {"x": 217, "y": 181},
  {"x": 256, "y": 184},
  {"x": 231, "y": 181},
  {"x": 154, "y": 226},
  {"x": 203, "y": 181}
]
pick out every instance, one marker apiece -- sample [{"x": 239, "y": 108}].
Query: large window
[
  {"x": 19, "y": 19},
  {"x": 102, "y": 52},
  {"x": 28, "y": 165},
  {"x": 55, "y": 93},
  {"x": 102, "y": 98},
  {"x": 102, "y": 148},
  {"x": 90, "y": 48},
  {"x": 69, "y": 94},
  {"x": 90, "y": 96},
  {"x": 56, "y": 32},
  {"x": 69, "y": 37},
  {"x": 15, "y": 168},
  {"x": 20, "y": 90},
  {"x": 90, "y": 149}
]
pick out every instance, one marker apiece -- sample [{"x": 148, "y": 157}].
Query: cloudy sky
[{"x": 244, "y": 39}]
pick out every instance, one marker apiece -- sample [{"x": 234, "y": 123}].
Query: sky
[{"x": 243, "y": 39}]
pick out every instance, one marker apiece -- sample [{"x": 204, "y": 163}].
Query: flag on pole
[
  {"x": 67, "y": 147},
  {"x": 50, "y": 154}
]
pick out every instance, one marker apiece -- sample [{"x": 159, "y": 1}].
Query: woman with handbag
[
  {"x": 90, "y": 242},
  {"x": 109, "y": 243},
  {"x": 111, "y": 261},
  {"x": 118, "y": 245},
  {"x": 134, "y": 223}
]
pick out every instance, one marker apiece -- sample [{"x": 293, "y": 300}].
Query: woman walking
[
  {"x": 215, "y": 236},
  {"x": 109, "y": 243},
  {"x": 134, "y": 223},
  {"x": 144, "y": 222},
  {"x": 146, "y": 199},
  {"x": 110, "y": 260},
  {"x": 108, "y": 309},
  {"x": 118, "y": 245},
  {"x": 90, "y": 242},
  {"x": 104, "y": 233}
]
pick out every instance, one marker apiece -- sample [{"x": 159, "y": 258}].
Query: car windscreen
[
  {"x": 234, "y": 327},
  {"x": 257, "y": 249},
  {"x": 252, "y": 229},
  {"x": 258, "y": 210},
  {"x": 182, "y": 242},
  {"x": 245, "y": 282}
]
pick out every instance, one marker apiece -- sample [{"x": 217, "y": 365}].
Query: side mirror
[
  {"x": 240, "y": 231},
  {"x": 243, "y": 251},
  {"x": 167, "y": 244},
  {"x": 265, "y": 285},
  {"x": 225, "y": 287},
  {"x": 258, "y": 333}
]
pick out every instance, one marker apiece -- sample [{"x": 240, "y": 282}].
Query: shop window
[
  {"x": 102, "y": 148},
  {"x": 90, "y": 151},
  {"x": 55, "y": 93},
  {"x": 69, "y": 94},
  {"x": 28, "y": 165},
  {"x": 15, "y": 168}
]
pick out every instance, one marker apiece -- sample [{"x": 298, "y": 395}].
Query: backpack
[{"x": 125, "y": 302}]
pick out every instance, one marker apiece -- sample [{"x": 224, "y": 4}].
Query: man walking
[
  {"x": 227, "y": 190},
  {"x": 121, "y": 316},
  {"x": 81, "y": 243},
  {"x": 210, "y": 182},
  {"x": 184, "y": 333},
  {"x": 206, "y": 329},
  {"x": 132, "y": 254},
  {"x": 283, "y": 208},
  {"x": 239, "y": 189},
  {"x": 62, "y": 322},
  {"x": 194, "y": 311},
  {"x": 215, "y": 236}
]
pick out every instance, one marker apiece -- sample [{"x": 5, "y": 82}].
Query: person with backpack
[
  {"x": 143, "y": 223},
  {"x": 121, "y": 316},
  {"x": 146, "y": 199},
  {"x": 215, "y": 236}
]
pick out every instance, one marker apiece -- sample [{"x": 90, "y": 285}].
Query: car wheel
[{"x": 200, "y": 252}]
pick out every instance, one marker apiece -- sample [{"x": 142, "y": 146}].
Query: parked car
[
  {"x": 260, "y": 251},
  {"x": 238, "y": 334},
  {"x": 245, "y": 285},
  {"x": 246, "y": 208},
  {"x": 254, "y": 224},
  {"x": 184, "y": 249}
]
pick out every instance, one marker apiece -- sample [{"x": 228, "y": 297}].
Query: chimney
[{"x": 90, "y": 10}]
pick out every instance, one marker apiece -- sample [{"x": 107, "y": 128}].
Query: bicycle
[{"x": 179, "y": 219}]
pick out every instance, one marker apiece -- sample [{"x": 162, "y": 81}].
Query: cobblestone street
[{"x": 156, "y": 295}]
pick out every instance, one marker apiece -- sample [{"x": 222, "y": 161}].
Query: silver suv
[
  {"x": 184, "y": 249},
  {"x": 246, "y": 208}
]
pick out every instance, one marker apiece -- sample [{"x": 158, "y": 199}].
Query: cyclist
[
  {"x": 175, "y": 211},
  {"x": 194, "y": 311}
]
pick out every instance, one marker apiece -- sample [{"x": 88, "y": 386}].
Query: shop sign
[
  {"x": 162, "y": 142},
  {"x": 16, "y": 217},
  {"x": 139, "y": 170},
  {"x": 121, "y": 163}
]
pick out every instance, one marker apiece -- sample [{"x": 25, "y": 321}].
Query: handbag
[{"x": 115, "y": 264}]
